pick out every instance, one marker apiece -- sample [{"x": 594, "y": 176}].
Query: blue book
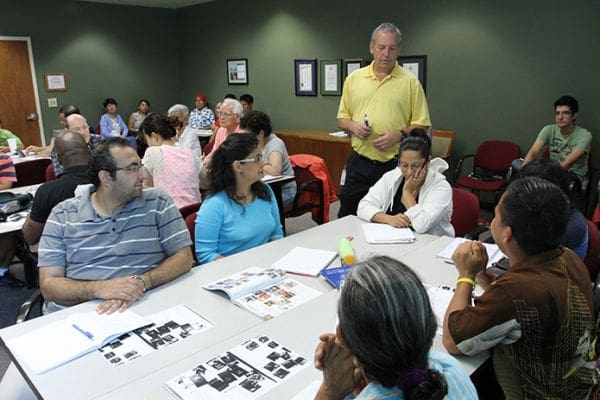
[{"x": 335, "y": 276}]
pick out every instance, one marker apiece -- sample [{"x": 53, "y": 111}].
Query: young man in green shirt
[{"x": 568, "y": 143}]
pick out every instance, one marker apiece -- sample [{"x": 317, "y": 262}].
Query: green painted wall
[
  {"x": 122, "y": 52},
  {"x": 494, "y": 68}
]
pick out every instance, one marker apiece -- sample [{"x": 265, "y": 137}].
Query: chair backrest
[
  {"x": 592, "y": 256},
  {"x": 190, "y": 222},
  {"x": 441, "y": 143},
  {"x": 50, "y": 176},
  {"x": 189, "y": 209},
  {"x": 310, "y": 195},
  {"x": 496, "y": 155},
  {"x": 208, "y": 147},
  {"x": 465, "y": 211},
  {"x": 31, "y": 172}
]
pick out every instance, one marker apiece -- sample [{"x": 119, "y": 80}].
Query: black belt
[{"x": 375, "y": 162}]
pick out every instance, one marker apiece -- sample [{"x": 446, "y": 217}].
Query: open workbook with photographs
[{"x": 265, "y": 292}]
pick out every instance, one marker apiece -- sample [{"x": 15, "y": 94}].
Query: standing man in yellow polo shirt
[{"x": 379, "y": 104}]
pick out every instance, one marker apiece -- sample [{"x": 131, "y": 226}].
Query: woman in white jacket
[{"x": 415, "y": 194}]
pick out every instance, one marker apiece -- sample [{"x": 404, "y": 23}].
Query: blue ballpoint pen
[{"x": 86, "y": 333}]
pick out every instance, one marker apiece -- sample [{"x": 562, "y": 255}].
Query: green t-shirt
[
  {"x": 5, "y": 134},
  {"x": 560, "y": 146}
]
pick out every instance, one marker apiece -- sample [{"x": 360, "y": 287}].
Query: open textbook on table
[
  {"x": 265, "y": 292},
  {"x": 61, "y": 341}
]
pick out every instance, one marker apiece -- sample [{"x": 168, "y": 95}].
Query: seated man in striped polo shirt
[{"x": 113, "y": 240}]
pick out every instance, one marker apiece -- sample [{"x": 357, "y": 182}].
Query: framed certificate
[
  {"x": 237, "y": 71},
  {"x": 55, "y": 82},
  {"x": 305, "y": 72},
  {"x": 352, "y": 64},
  {"x": 331, "y": 77},
  {"x": 417, "y": 65}
]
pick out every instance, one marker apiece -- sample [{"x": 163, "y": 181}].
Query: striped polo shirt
[{"x": 136, "y": 239}]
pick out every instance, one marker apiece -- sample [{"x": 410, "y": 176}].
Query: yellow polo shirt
[{"x": 391, "y": 104}]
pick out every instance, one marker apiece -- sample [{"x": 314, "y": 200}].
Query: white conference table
[
  {"x": 18, "y": 160},
  {"x": 91, "y": 376},
  {"x": 15, "y": 226}
]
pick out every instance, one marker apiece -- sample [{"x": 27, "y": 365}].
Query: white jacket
[{"x": 432, "y": 212}]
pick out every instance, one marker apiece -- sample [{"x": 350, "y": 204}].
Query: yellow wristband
[{"x": 467, "y": 280}]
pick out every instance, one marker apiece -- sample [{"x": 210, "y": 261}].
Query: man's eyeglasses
[
  {"x": 224, "y": 114},
  {"x": 256, "y": 159},
  {"x": 133, "y": 168}
]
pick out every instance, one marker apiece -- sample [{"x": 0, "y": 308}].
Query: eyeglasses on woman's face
[{"x": 256, "y": 159}]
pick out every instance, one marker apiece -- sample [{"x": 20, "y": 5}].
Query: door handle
[{"x": 32, "y": 117}]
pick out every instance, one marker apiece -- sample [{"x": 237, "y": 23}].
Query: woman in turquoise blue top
[
  {"x": 381, "y": 349},
  {"x": 240, "y": 211}
]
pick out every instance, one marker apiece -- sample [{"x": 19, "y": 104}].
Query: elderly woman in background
[
  {"x": 111, "y": 123},
  {"x": 381, "y": 349},
  {"x": 174, "y": 169},
  {"x": 415, "y": 194},
  {"x": 201, "y": 117},
  {"x": 274, "y": 153},
  {"x": 229, "y": 117},
  {"x": 240, "y": 211},
  {"x": 187, "y": 136}
]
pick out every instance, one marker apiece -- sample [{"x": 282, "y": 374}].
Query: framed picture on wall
[
  {"x": 305, "y": 73},
  {"x": 417, "y": 65},
  {"x": 331, "y": 77},
  {"x": 237, "y": 71},
  {"x": 55, "y": 82},
  {"x": 351, "y": 65}
]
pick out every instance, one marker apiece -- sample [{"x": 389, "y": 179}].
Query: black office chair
[{"x": 30, "y": 261}]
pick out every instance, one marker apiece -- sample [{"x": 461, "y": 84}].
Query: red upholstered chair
[
  {"x": 31, "y": 172},
  {"x": 50, "y": 173},
  {"x": 465, "y": 214},
  {"x": 592, "y": 257},
  {"x": 491, "y": 162},
  {"x": 207, "y": 149},
  {"x": 189, "y": 209},
  {"x": 190, "y": 222},
  {"x": 310, "y": 196}
]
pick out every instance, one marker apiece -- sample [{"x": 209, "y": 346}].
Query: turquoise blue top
[
  {"x": 460, "y": 386},
  {"x": 224, "y": 227}
]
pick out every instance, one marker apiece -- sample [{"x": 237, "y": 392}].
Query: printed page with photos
[
  {"x": 168, "y": 326},
  {"x": 245, "y": 372},
  {"x": 245, "y": 282},
  {"x": 264, "y": 292},
  {"x": 278, "y": 298}
]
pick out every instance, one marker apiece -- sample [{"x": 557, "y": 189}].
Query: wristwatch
[{"x": 140, "y": 279}]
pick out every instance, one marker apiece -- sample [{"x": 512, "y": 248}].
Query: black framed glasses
[{"x": 133, "y": 168}]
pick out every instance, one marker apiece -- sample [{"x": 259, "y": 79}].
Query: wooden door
[{"x": 18, "y": 110}]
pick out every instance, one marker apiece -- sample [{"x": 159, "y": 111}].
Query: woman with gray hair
[
  {"x": 229, "y": 117},
  {"x": 381, "y": 349},
  {"x": 187, "y": 136}
]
